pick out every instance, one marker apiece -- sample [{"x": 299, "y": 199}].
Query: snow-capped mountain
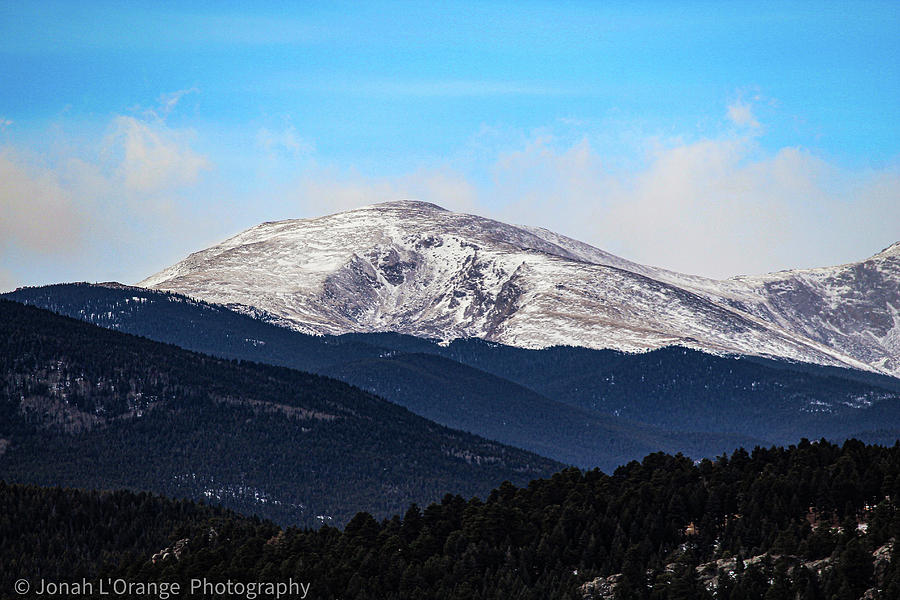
[{"x": 416, "y": 268}]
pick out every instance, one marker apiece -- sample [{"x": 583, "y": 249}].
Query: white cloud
[
  {"x": 717, "y": 207},
  {"x": 741, "y": 114},
  {"x": 152, "y": 157},
  {"x": 168, "y": 102},
  {"x": 444, "y": 187},
  {"x": 334, "y": 192},
  {"x": 97, "y": 208},
  {"x": 527, "y": 181},
  {"x": 327, "y": 191}
]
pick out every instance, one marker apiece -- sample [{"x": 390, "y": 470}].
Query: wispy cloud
[
  {"x": 149, "y": 28},
  {"x": 286, "y": 140},
  {"x": 165, "y": 104},
  {"x": 153, "y": 157},
  {"x": 717, "y": 207},
  {"x": 97, "y": 195},
  {"x": 330, "y": 190},
  {"x": 168, "y": 102},
  {"x": 462, "y": 88},
  {"x": 741, "y": 114}
]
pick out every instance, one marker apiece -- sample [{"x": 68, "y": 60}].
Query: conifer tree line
[{"x": 783, "y": 523}]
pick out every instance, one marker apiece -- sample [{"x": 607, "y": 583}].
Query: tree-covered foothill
[
  {"x": 83, "y": 406},
  {"x": 795, "y": 523}
]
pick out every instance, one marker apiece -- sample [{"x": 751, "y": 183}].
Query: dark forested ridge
[
  {"x": 634, "y": 404},
  {"x": 816, "y": 521},
  {"x": 462, "y": 397},
  {"x": 191, "y": 324},
  {"x": 87, "y": 407}
]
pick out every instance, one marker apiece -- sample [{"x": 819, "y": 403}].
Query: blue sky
[{"x": 712, "y": 138}]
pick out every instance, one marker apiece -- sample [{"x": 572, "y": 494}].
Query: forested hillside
[
  {"x": 88, "y": 407},
  {"x": 463, "y": 397},
  {"x": 687, "y": 390},
  {"x": 814, "y": 521}
]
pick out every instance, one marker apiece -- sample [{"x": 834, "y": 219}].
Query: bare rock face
[{"x": 415, "y": 268}]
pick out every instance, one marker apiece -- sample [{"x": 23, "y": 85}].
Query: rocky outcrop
[
  {"x": 173, "y": 552},
  {"x": 603, "y": 588}
]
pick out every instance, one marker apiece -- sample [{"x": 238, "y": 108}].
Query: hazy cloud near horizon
[
  {"x": 152, "y": 157},
  {"x": 39, "y": 214},
  {"x": 95, "y": 203},
  {"x": 713, "y": 206}
]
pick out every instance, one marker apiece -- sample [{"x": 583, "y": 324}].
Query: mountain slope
[
  {"x": 86, "y": 407},
  {"x": 192, "y": 324},
  {"x": 853, "y": 308},
  {"x": 415, "y": 268},
  {"x": 686, "y": 390}
]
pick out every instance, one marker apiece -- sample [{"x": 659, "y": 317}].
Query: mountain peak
[
  {"x": 419, "y": 206},
  {"x": 406, "y": 204}
]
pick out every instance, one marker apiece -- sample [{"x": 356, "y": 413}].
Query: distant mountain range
[
  {"x": 576, "y": 405},
  {"x": 415, "y": 268}
]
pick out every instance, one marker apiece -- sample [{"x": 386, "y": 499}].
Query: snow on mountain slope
[
  {"x": 416, "y": 268},
  {"x": 854, "y": 308}
]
